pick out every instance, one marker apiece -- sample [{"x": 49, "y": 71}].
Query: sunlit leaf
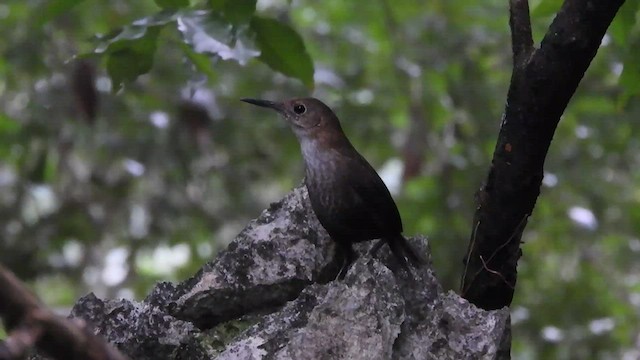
[
  {"x": 130, "y": 53},
  {"x": 115, "y": 40},
  {"x": 209, "y": 34},
  {"x": 282, "y": 49},
  {"x": 202, "y": 62},
  {"x": 159, "y": 18}
]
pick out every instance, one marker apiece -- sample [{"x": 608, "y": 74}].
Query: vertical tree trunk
[{"x": 542, "y": 83}]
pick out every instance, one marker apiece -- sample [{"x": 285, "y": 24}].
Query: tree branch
[
  {"x": 520, "y": 24},
  {"x": 541, "y": 86},
  {"x": 29, "y": 324}
]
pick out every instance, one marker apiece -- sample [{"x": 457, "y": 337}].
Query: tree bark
[
  {"x": 30, "y": 325},
  {"x": 542, "y": 83}
]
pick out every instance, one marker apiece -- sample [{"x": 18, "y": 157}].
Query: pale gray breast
[{"x": 321, "y": 169}]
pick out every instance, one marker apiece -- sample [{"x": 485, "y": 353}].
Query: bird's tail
[{"x": 401, "y": 250}]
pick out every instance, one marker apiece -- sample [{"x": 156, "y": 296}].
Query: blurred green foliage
[{"x": 173, "y": 166}]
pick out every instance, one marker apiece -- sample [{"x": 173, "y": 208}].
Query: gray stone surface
[
  {"x": 268, "y": 264},
  {"x": 141, "y": 330},
  {"x": 268, "y": 296},
  {"x": 358, "y": 318}
]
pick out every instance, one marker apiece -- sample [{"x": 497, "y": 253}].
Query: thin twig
[
  {"x": 516, "y": 231},
  {"x": 466, "y": 265},
  {"x": 486, "y": 268}
]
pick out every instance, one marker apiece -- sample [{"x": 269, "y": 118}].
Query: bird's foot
[{"x": 349, "y": 256}]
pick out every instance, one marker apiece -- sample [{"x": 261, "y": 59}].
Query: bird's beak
[{"x": 265, "y": 103}]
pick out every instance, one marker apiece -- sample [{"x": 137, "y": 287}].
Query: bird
[{"x": 347, "y": 195}]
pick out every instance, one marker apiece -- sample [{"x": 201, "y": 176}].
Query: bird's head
[{"x": 309, "y": 118}]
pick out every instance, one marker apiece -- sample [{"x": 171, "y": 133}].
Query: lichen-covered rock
[
  {"x": 141, "y": 330},
  {"x": 377, "y": 313},
  {"x": 268, "y": 264},
  {"x": 268, "y": 296},
  {"x": 358, "y": 318},
  {"x": 454, "y": 329}
]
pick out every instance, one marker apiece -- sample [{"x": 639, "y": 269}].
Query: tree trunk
[{"x": 542, "y": 83}]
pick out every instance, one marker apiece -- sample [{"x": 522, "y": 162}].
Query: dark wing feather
[{"x": 373, "y": 213}]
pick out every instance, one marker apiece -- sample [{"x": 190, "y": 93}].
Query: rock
[
  {"x": 268, "y": 264},
  {"x": 268, "y": 296},
  {"x": 141, "y": 330},
  {"x": 358, "y": 318}
]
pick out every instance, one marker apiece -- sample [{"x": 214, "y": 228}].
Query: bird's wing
[{"x": 380, "y": 211}]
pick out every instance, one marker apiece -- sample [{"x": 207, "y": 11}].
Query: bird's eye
[{"x": 299, "y": 109}]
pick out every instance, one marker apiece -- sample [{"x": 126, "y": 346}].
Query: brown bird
[{"x": 347, "y": 195}]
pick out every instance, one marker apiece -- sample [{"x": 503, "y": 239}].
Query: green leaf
[
  {"x": 235, "y": 11},
  {"x": 200, "y": 61},
  {"x": 282, "y": 49},
  {"x": 206, "y": 33},
  {"x": 172, "y": 4},
  {"x": 53, "y": 9},
  {"x": 130, "y": 53}
]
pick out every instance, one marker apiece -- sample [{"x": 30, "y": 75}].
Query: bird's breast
[{"x": 323, "y": 172}]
